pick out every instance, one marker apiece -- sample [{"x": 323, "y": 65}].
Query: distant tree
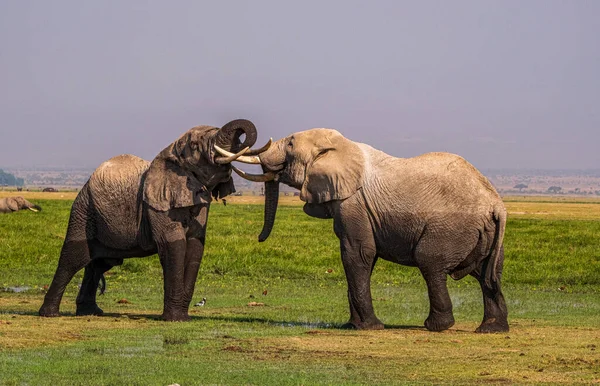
[
  {"x": 520, "y": 187},
  {"x": 554, "y": 189},
  {"x": 7, "y": 179}
]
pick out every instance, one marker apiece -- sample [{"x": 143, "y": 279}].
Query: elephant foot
[
  {"x": 493, "y": 325},
  {"x": 87, "y": 310},
  {"x": 175, "y": 316},
  {"x": 357, "y": 325},
  {"x": 439, "y": 322},
  {"x": 48, "y": 311}
]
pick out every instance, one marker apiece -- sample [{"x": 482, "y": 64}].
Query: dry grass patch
[
  {"x": 554, "y": 210},
  {"x": 529, "y": 353},
  {"x": 557, "y": 199},
  {"x": 23, "y": 328},
  {"x": 40, "y": 195},
  {"x": 260, "y": 200}
]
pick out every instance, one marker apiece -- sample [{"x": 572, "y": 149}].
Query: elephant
[
  {"x": 436, "y": 212},
  {"x": 130, "y": 207},
  {"x": 13, "y": 204}
]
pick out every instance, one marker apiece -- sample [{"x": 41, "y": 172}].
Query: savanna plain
[{"x": 273, "y": 309}]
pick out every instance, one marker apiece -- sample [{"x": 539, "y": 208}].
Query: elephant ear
[
  {"x": 168, "y": 186},
  {"x": 336, "y": 171},
  {"x": 12, "y": 204}
]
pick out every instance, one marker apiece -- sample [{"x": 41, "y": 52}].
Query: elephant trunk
[
  {"x": 229, "y": 135},
  {"x": 271, "y": 201}
]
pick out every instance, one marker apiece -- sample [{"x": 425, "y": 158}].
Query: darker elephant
[
  {"x": 133, "y": 208},
  {"x": 435, "y": 212},
  {"x": 13, "y": 204}
]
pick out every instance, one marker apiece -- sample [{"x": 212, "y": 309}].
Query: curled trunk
[
  {"x": 229, "y": 135},
  {"x": 271, "y": 201}
]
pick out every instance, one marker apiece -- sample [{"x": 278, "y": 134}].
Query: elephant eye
[
  {"x": 194, "y": 146},
  {"x": 323, "y": 152}
]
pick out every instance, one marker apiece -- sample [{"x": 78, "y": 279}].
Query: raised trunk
[
  {"x": 229, "y": 136},
  {"x": 271, "y": 201}
]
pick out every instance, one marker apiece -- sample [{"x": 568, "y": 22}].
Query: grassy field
[{"x": 274, "y": 309}]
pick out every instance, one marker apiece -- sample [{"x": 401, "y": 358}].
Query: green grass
[{"x": 551, "y": 283}]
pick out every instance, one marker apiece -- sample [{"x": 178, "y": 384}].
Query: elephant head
[
  {"x": 321, "y": 163},
  {"x": 190, "y": 170},
  {"x": 13, "y": 204}
]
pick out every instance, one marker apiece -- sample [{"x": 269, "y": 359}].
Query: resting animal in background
[
  {"x": 133, "y": 208},
  {"x": 435, "y": 212},
  {"x": 13, "y": 204}
]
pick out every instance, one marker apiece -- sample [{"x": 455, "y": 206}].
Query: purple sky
[{"x": 506, "y": 84}]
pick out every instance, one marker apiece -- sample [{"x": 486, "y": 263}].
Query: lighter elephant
[
  {"x": 435, "y": 212},
  {"x": 133, "y": 208},
  {"x": 13, "y": 204}
]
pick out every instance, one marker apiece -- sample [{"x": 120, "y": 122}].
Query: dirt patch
[{"x": 233, "y": 348}]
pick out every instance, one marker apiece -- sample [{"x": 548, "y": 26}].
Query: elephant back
[
  {"x": 114, "y": 191},
  {"x": 448, "y": 182}
]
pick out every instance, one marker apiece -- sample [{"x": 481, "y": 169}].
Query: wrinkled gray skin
[
  {"x": 13, "y": 204},
  {"x": 133, "y": 208},
  {"x": 435, "y": 212}
]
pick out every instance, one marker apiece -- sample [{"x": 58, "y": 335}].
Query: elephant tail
[
  {"x": 102, "y": 285},
  {"x": 491, "y": 268}
]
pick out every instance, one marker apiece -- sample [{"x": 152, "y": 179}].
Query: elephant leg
[
  {"x": 74, "y": 256},
  {"x": 193, "y": 258},
  {"x": 172, "y": 254},
  {"x": 440, "y": 306},
  {"x": 495, "y": 313},
  {"x": 358, "y": 261},
  {"x": 86, "y": 299}
]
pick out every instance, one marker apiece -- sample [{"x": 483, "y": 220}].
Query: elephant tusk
[
  {"x": 254, "y": 177},
  {"x": 230, "y": 157},
  {"x": 235, "y": 157},
  {"x": 262, "y": 149},
  {"x": 33, "y": 209}
]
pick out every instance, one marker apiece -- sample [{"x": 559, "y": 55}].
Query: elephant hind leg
[
  {"x": 94, "y": 271},
  {"x": 440, "y": 306},
  {"x": 495, "y": 313},
  {"x": 73, "y": 257}
]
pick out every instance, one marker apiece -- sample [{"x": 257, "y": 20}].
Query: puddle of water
[{"x": 16, "y": 289}]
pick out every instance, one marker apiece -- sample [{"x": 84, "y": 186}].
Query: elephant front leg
[
  {"x": 172, "y": 256},
  {"x": 193, "y": 258},
  {"x": 358, "y": 264}
]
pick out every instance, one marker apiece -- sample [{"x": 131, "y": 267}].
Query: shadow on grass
[{"x": 230, "y": 319}]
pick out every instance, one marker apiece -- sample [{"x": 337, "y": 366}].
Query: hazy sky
[{"x": 506, "y": 84}]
